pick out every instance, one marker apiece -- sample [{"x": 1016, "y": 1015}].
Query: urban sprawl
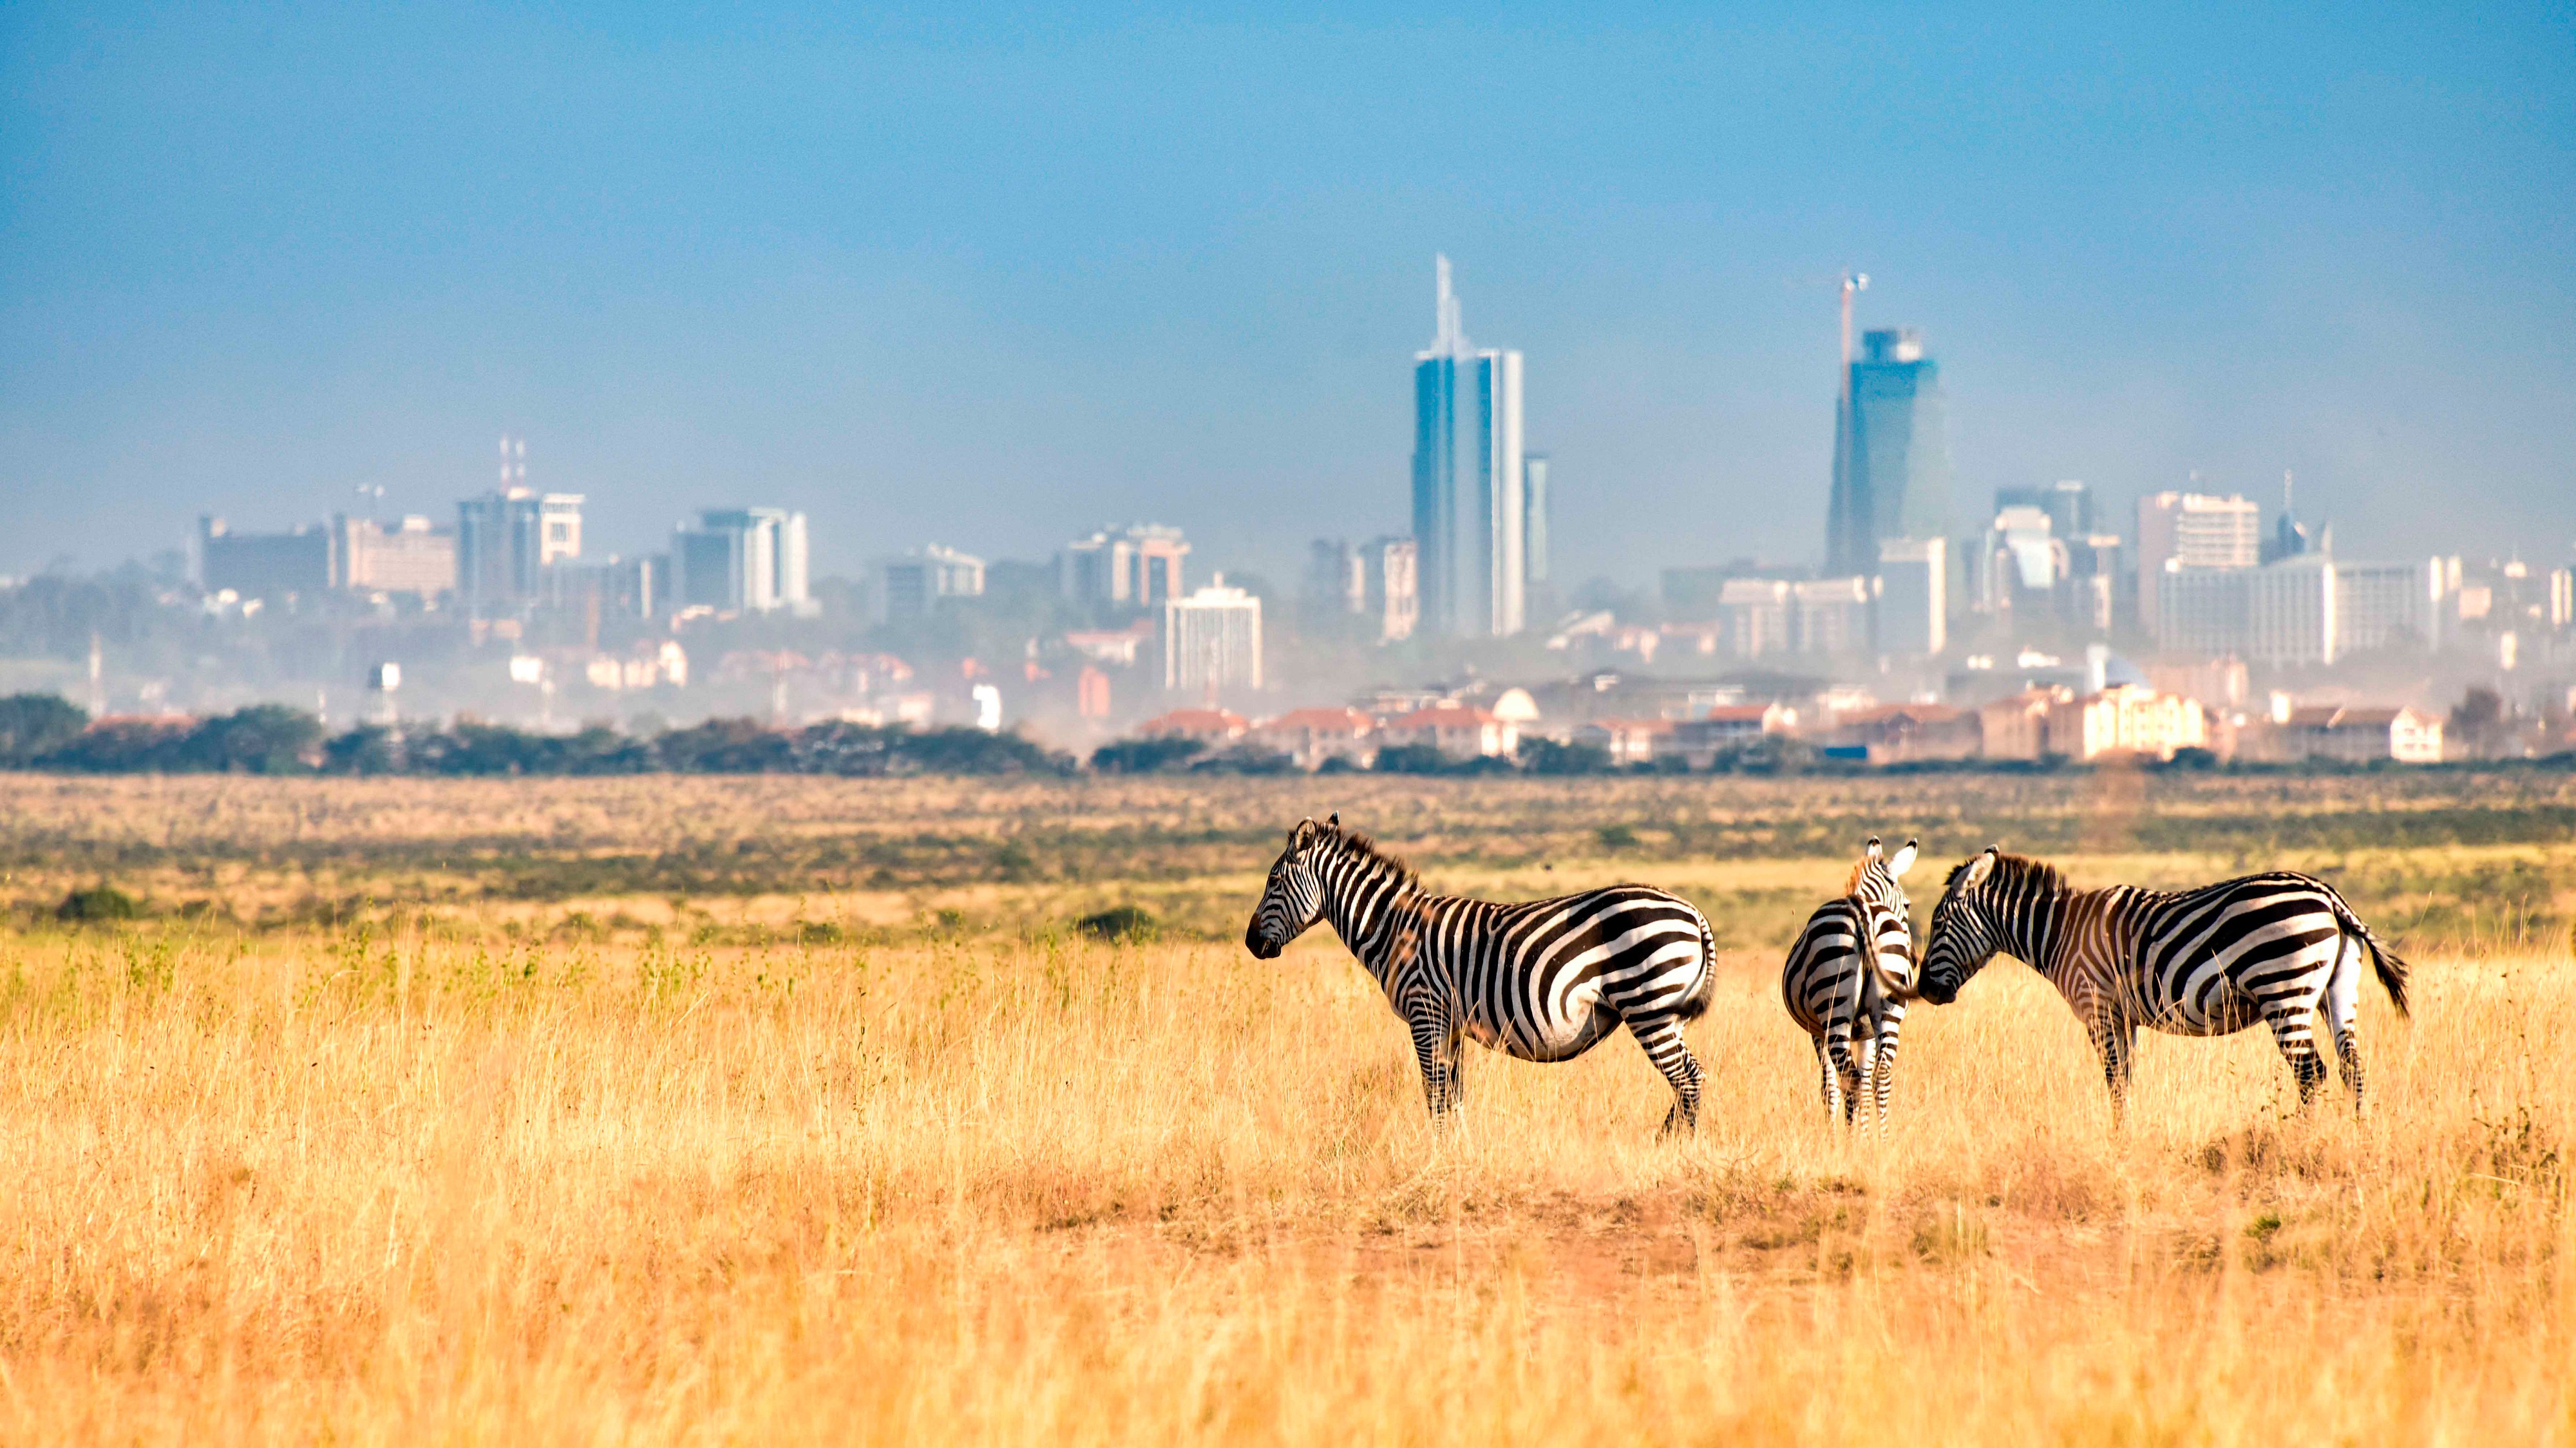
[{"x": 2039, "y": 631}]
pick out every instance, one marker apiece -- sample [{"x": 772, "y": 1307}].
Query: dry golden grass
[{"x": 430, "y": 1179}]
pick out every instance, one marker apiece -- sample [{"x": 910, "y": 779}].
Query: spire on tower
[{"x": 1450, "y": 338}]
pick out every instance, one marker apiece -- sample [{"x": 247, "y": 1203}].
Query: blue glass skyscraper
[
  {"x": 1891, "y": 454},
  {"x": 1469, "y": 536}
]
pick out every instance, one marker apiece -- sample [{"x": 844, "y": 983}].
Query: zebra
[
  {"x": 1847, "y": 980},
  {"x": 2273, "y": 948},
  {"x": 1543, "y": 981}
]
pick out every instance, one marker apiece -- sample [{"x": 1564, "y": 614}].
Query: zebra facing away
[
  {"x": 1543, "y": 981},
  {"x": 2278, "y": 948},
  {"x": 1847, "y": 980}
]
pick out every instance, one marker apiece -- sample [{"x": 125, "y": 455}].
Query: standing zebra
[
  {"x": 1542, "y": 981},
  {"x": 1848, "y": 978},
  {"x": 2272, "y": 948}
]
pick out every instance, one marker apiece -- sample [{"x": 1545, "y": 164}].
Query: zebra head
[
  {"x": 1965, "y": 931},
  {"x": 1294, "y": 899},
  {"x": 1876, "y": 882}
]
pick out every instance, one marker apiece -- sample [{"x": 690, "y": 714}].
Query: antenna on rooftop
[{"x": 1852, "y": 282}]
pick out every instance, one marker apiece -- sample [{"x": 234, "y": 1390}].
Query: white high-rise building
[
  {"x": 741, "y": 560},
  {"x": 1212, "y": 640}
]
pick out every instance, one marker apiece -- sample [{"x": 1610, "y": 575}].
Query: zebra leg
[
  {"x": 1892, "y": 1021},
  {"x": 1865, "y": 1087},
  {"x": 2117, "y": 1040},
  {"x": 1435, "y": 1050},
  {"x": 2293, "y": 1031},
  {"x": 1663, "y": 1043},
  {"x": 1825, "y": 1079},
  {"x": 2341, "y": 1005},
  {"x": 1845, "y": 1097}
]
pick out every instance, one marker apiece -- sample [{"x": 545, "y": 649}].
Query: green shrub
[
  {"x": 99, "y": 902},
  {"x": 1120, "y": 922}
]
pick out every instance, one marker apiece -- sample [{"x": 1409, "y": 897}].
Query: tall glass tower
[
  {"x": 1891, "y": 454},
  {"x": 1472, "y": 562}
]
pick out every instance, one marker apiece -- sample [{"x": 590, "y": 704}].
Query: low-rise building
[
  {"x": 1457, "y": 730},
  {"x": 1210, "y": 726},
  {"x": 1903, "y": 733},
  {"x": 2358, "y": 736},
  {"x": 2126, "y": 719},
  {"x": 1625, "y": 741},
  {"x": 2017, "y": 728},
  {"x": 1311, "y": 736},
  {"x": 1723, "y": 730}
]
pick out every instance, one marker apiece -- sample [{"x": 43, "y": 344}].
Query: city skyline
[{"x": 2275, "y": 242}]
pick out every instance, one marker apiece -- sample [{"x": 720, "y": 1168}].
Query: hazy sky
[{"x": 984, "y": 277}]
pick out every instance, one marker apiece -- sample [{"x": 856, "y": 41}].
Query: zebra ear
[
  {"x": 1872, "y": 852},
  {"x": 1978, "y": 869},
  {"x": 1904, "y": 860},
  {"x": 1335, "y": 822}
]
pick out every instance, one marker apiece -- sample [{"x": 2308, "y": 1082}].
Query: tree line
[{"x": 47, "y": 732}]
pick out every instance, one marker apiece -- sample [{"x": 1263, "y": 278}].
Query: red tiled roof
[
  {"x": 1195, "y": 721},
  {"x": 1445, "y": 716},
  {"x": 1320, "y": 718}
]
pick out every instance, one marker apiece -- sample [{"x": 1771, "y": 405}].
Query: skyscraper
[
  {"x": 1891, "y": 454},
  {"x": 1472, "y": 559}
]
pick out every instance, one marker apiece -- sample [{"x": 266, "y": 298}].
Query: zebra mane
[
  {"x": 1851, "y": 883},
  {"x": 1352, "y": 842},
  {"x": 2012, "y": 872}
]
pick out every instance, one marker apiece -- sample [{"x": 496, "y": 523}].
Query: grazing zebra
[
  {"x": 2272, "y": 948},
  {"x": 1847, "y": 981},
  {"x": 1542, "y": 981}
]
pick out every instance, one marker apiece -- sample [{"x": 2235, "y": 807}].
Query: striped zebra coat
[
  {"x": 1848, "y": 978},
  {"x": 2280, "y": 948},
  {"x": 1544, "y": 981}
]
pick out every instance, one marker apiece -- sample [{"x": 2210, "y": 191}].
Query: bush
[
  {"x": 35, "y": 725},
  {"x": 1246, "y": 759},
  {"x": 1144, "y": 756},
  {"x": 1411, "y": 759},
  {"x": 1120, "y": 923},
  {"x": 99, "y": 902},
  {"x": 1546, "y": 756}
]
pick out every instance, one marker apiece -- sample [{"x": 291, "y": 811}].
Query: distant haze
[{"x": 986, "y": 278}]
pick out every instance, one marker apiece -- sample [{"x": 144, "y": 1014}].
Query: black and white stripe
[
  {"x": 2276, "y": 948},
  {"x": 1848, "y": 978},
  {"x": 1543, "y": 981}
]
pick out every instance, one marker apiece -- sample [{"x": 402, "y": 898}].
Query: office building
[
  {"x": 505, "y": 542},
  {"x": 1336, "y": 581},
  {"x": 267, "y": 566},
  {"x": 2022, "y": 563},
  {"x": 410, "y": 557},
  {"x": 2068, "y": 504},
  {"x": 2098, "y": 584},
  {"x": 1390, "y": 582},
  {"x": 1534, "y": 520},
  {"x": 741, "y": 560},
  {"x": 1891, "y": 453},
  {"x": 2307, "y": 608},
  {"x": 1471, "y": 533},
  {"x": 1913, "y": 597},
  {"x": 2192, "y": 532},
  {"x": 1372, "y": 582},
  {"x": 1753, "y": 617},
  {"x": 1212, "y": 640},
  {"x": 1139, "y": 565},
  {"x": 1830, "y": 615},
  {"x": 910, "y": 586}
]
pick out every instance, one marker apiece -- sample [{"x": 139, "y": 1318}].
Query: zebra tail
[{"x": 2392, "y": 969}]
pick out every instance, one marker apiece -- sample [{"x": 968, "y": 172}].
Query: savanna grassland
[{"x": 761, "y": 1110}]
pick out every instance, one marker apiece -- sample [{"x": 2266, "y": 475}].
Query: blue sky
[{"x": 986, "y": 276}]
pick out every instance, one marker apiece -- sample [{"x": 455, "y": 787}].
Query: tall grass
[{"x": 396, "y": 1182}]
